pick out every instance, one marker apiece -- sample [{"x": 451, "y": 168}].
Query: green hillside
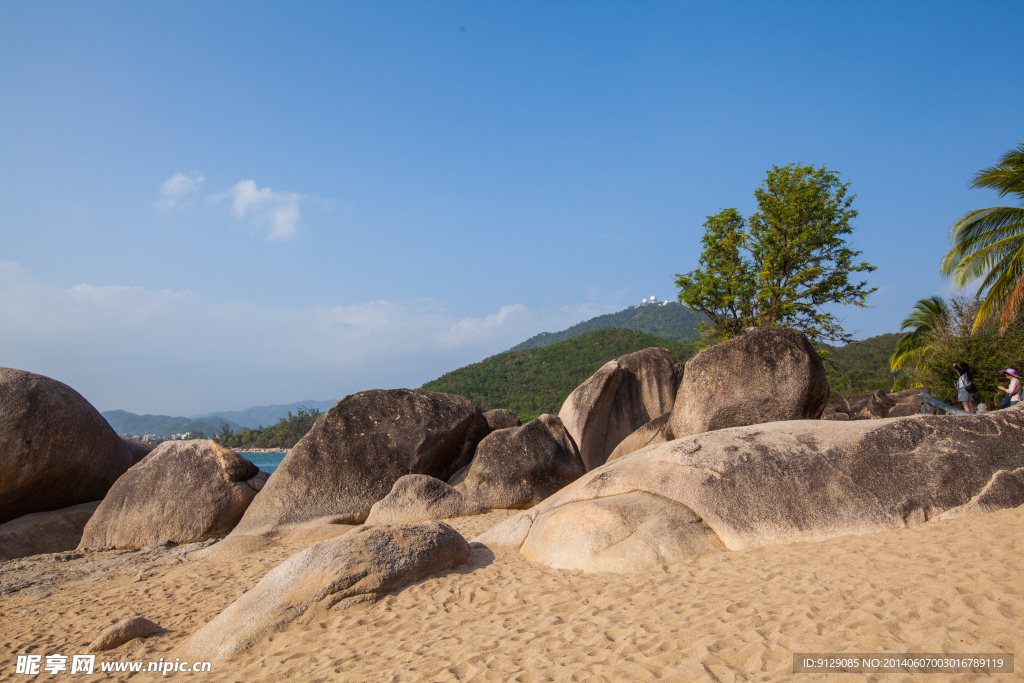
[
  {"x": 862, "y": 366},
  {"x": 538, "y": 380},
  {"x": 671, "y": 321}
]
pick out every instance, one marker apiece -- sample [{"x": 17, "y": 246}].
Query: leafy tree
[
  {"x": 721, "y": 287},
  {"x": 923, "y": 330},
  {"x": 988, "y": 244},
  {"x": 285, "y": 434},
  {"x": 224, "y": 432},
  {"x": 786, "y": 265}
]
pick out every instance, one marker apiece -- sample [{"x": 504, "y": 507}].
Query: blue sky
[{"x": 208, "y": 206}]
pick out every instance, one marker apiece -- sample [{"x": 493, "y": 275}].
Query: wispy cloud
[
  {"x": 262, "y": 207},
  {"x": 175, "y": 191},
  {"x": 178, "y": 352}
]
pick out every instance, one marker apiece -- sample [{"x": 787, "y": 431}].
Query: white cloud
[
  {"x": 262, "y": 207},
  {"x": 175, "y": 190},
  {"x": 178, "y": 352}
]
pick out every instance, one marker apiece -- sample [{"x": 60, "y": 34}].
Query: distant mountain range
[
  {"x": 667, "y": 320},
  {"x": 262, "y": 416},
  {"x": 124, "y": 422},
  {"x": 209, "y": 424}
]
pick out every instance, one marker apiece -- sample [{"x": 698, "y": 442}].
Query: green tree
[
  {"x": 721, "y": 287},
  {"x": 787, "y": 265},
  {"x": 988, "y": 244},
  {"x": 922, "y": 332},
  {"x": 224, "y": 433}
]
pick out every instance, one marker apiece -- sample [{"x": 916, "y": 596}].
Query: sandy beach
[{"x": 952, "y": 586}]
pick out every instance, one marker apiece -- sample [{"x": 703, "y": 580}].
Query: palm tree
[
  {"x": 989, "y": 243},
  {"x": 929, "y": 319}
]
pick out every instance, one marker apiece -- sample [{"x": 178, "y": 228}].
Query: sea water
[{"x": 267, "y": 462}]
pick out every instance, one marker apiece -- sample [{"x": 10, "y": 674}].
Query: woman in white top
[
  {"x": 965, "y": 387},
  {"x": 1014, "y": 390}
]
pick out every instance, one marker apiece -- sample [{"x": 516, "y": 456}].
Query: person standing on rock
[
  {"x": 965, "y": 388},
  {"x": 1013, "y": 392}
]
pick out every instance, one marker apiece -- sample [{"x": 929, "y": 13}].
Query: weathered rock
[
  {"x": 361, "y": 565},
  {"x": 359, "y": 448},
  {"x": 499, "y": 418},
  {"x": 837, "y": 403},
  {"x": 56, "y": 450},
  {"x": 772, "y": 483},
  {"x": 418, "y": 498},
  {"x": 618, "y": 399},
  {"x": 521, "y": 466},
  {"x": 183, "y": 492},
  {"x": 906, "y": 396},
  {"x": 123, "y": 631},
  {"x": 44, "y": 532},
  {"x": 871, "y": 406},
  {"x": 1004, "y": 490},
  {"x": 831, "y": 414},
  {"x": 766, "y": 375},
  {"x": 905, "y": 409},
  {"x": 139, "y": 449},
  {"x": 657, "y": 430},
  {"x": 587, "y": 411}
]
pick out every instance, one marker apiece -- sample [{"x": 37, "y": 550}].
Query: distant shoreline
[{"x": 261, "y": 450}]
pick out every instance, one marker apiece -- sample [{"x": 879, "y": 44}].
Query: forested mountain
[
  {"x": 124, "y": 422},
  {"x": 862, "y": 366},
  {"x": 533, "y": 381},
  {"x": 669, "y": 321}
]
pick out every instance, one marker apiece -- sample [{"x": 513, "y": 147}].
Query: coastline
[{"x": 262, "y": 450}]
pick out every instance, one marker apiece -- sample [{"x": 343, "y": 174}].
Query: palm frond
[
  {"x": 1006, "y": 177},
  {"x": 926, "y": 319}
]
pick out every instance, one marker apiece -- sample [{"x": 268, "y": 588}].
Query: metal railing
[{"x": 933, "y": 406}]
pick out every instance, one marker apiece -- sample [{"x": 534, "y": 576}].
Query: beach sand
[{"x": 953, "y": 586}]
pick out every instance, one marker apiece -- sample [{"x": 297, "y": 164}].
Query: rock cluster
[{"x": 772, "y": 483}]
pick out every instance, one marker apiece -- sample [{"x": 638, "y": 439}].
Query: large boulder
[
  {"x": 658, "y": 430},
  {"x": 361, "y": 565},
  {"x": 418, "y": 498},
  {"x": 766, "y": 375},
  {"x": 521, "y": 466},
  {"x": 45, "y": 532},
  {"x": 499, "y": 418},
  {"x": 56, "y": 450},
  {"x": 772, "y": 483},
  {"x": 618, "y": 399},
  {"x": 359, "y": 448},
  {"x": 871, "y": 406},
  {"x": 183, "y": 492}
]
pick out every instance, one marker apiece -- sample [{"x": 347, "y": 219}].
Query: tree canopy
[
  {"x": 786, "y": 264},
  {"x": 988, "y": 244}
]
